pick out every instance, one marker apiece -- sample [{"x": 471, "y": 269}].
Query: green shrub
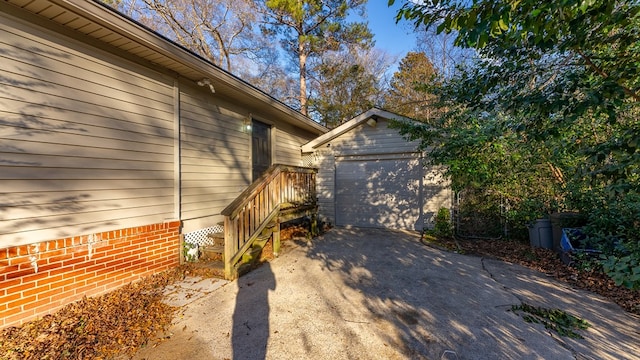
[
  {"x": 190, "y": 252},
  {"x": 614, "y": 228},
  {"x": 624, "y": 270},
  {"x": 443, "y": 225}
]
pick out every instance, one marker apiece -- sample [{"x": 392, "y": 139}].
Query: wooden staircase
[{"x": 281, "y": 194}]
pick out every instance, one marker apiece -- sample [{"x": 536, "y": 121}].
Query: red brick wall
[{"x": 40, "y": 278}]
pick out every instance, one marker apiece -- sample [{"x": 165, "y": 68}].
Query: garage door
[{"x": 384, "y": 193}]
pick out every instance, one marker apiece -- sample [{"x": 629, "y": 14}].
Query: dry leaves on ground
[
  {"x": 118, "y": 322},
  {"x": 115, "y": 324},
  {"x": 547, "y": 261}
]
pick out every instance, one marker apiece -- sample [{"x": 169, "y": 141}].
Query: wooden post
[
  {"x": 276, "y": 238},
  {"x": 228, "y": 247}
]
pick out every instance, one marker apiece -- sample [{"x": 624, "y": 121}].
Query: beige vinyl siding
[
  {"x": 86, "y": 138},
  {"x": 287, "y": 145},
  {"x": 364, "y": 140},
  {"x": 216, "y": 153},
  {"x": 325, "y": 184},
  {"x": 215, "y": 157},
  {"x": 437, "y": 192}
]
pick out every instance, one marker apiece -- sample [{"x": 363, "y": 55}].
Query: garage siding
[
  {"x": 370, "y": 176},
  {"x": 367, "y": 140},
  {"x": 325, "y": 184}
]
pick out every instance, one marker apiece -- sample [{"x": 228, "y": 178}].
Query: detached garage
[{"x": 370, "y": 176}]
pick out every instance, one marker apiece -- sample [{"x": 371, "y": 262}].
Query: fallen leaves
[
  {"x": 547, "y": 261},
  {"x": 115, "y": 324},
  {"x": 122, "y": 321},
  {"x": 559, "y": 321},
  {"x": 118, "y": 322}
]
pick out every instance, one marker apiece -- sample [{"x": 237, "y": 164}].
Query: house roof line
[
  {"x": 186, "y": 62},
  {"x": 373, "y": 113}
]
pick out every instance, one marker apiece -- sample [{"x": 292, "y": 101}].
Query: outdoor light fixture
[
  {"x": 246, "y": 125},
  {"x": 372, "y": 122},
  {"x": 207, "y": 82}
]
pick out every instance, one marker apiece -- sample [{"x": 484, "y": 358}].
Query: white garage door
[{"x": 384, "y": 193}]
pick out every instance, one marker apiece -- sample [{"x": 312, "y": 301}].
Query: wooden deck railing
[{"x": 250, "y": 213}]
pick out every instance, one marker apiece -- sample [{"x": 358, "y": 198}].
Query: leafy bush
[
  {"x": 190, "y": 252},
  {"x": 443, "y": 223},
  {"x": 623, "y": 270},
  {"x": 614, "y": 228}
]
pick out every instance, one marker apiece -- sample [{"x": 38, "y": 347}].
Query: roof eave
[
  {"x": 99, "y": 13},
  {"x": 347, "y": 126}
]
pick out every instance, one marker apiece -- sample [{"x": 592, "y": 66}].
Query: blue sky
[{"x": 396, "y": 39}]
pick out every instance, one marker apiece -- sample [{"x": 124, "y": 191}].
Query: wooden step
[
  {"x": 212, "y": 252},
  {"x": 252, "y": 255},
  {"x": 272, "y": 224},
  {"x": 262, "y": 239},
  {"x": 217, "y": 238},
  {"x": 214, "y": 248},
  {"x": 217, "y": 235},
  {"x": 210, "y": 268}
]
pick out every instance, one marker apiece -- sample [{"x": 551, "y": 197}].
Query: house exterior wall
[
  {"x": 215, "y": 153},
  {"x": 86, "y": 139},
  {"x": 288, "y": 141},
  {"x": 42, "y": 277},
  {"x": 105, "y": 162},
  {"x": 215, "y": 157},
  {"x": 86, "y": 171},
  {"x": 366, "y": 143}
]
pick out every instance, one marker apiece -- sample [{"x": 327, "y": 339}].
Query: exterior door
[{"x": 260, "y": 148}]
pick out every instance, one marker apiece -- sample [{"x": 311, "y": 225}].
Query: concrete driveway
[{"x": 381, "y": 294}]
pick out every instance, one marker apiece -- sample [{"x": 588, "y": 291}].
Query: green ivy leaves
[{"x": 559, "y": 321}]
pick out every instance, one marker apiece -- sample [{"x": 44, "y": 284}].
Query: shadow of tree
[
  {"x": 88, "y": 141},
  {"x": 372, "y": 177},
  {"x": 426, "y": 302}
]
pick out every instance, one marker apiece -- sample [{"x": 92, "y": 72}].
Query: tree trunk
[{"x": 303, "y": 79}]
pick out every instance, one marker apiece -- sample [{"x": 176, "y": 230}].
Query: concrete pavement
[{"x": 381, "y": 294}]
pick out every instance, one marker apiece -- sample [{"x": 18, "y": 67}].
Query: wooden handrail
[
  {"x": 259, "y": 184},
  {"x": 248, "y": 215}
]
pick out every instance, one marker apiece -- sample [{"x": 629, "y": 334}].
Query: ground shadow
[
  {"x": 250, "y": 332},
  {"x": 425, "y": 301}
]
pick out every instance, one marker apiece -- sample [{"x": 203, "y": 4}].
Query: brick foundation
[{"x": 40, "y": 278}]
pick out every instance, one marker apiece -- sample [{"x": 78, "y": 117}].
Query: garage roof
[
  {"x": 106, "y": 25},
  {"x": 373, "y": 113}
]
